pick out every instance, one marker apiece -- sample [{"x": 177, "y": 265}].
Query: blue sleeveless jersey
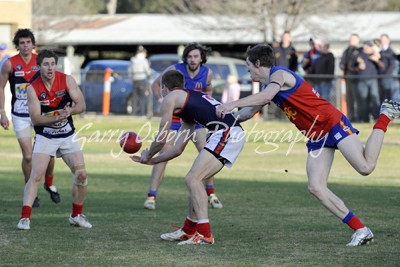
[
  {"x": 200, "y": 108},
  {"x": 197, "y": 83}
]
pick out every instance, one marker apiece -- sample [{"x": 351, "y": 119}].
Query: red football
[{"x": 130, "y": 142}]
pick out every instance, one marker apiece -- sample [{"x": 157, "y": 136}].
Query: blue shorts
[
  {"x": 338, "y": 132},
  {"x": 175, "y": 126}
]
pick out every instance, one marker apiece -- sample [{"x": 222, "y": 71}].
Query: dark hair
[
  {"x": 23, "y": 33},
  {"x": 46, "y": 53},
  {"x": 192, "y": 46},
  {"x": 262, "y": 52},
  {"x": 173, "y": 79}
]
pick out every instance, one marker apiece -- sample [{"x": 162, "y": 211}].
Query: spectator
[
  {"x": 352, "y": 98},
  {"x": 285, "y": 53},
  {"x": 386, "y": 68},
  {"x": 3, "y": 54},
  {"x": 140, "y": 70},
  {"x": 365, "y": 65},
  {"x": 310, "y": 57},
  {"x": 324, "y": 65},
  {"x": 231, "y": 90}
]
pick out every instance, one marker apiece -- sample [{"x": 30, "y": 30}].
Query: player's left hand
[{"x": 144, "y": 158}]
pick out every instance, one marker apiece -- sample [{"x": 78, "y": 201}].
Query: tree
[
  {"x": 67, "y": 7},
  {"x": 267, "y": 14}
]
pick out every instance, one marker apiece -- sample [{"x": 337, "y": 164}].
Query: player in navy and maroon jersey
[
  {"x": 224, "y": 143},
  {"x": 20, "y": 70},
  {"x": 50, "y": 99},
  {"x": 325, "y": 126},
  {"x": 197, "y": 78}
]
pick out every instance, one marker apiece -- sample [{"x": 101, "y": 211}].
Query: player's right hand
[{"x": 5, "y": 123}]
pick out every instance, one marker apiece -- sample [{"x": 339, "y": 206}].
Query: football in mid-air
[{"x": 130, "y": 142}]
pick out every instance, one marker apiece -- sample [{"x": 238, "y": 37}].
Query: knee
[
  {"x": 190, "y": 180},
  {"x": 80, "y": 177},
  {"x": 316, "y": 190},
  {"x": 27, "y": 158}
]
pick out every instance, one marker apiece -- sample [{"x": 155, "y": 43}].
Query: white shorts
[
  {"x": 22, "y": 126},
  {"x": 226, "y": 145},
  {"x": 56, "y": 146}
]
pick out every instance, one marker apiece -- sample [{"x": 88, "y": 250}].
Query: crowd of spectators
[{"x": 370, "y": 70}]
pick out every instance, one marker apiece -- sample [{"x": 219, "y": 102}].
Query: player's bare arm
[
  {"x": 280, "y": 80},
  {"x": 76, "y": 96},
  {"x": 155, "y": 86},
  {"x": 247, "y": 113},
  {"x": 184, "y": 134},
  {"x": 35, "y": 111},
  {"x": 167, "y": 109},
  {"x": 209, "y": 89},
  {"x": 5, "y": 71}
]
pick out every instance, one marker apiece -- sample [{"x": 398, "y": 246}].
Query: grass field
[{"x": 268, "y": 219}]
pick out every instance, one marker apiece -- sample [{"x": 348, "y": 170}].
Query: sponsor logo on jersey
[
  {"x": 19, "y": 74},
  {"x": 18, "y": 67},
  {"x": 290, "y": 113},
  {"x": 20, "y": 90},
  {"x": 35, "y": 68},
  {"x": 338, "y": 136},
  {"x": 199, "y": 86},
  {"x": 45, "y": 103},
  {"x": 60, "y": 93},
  {"x": 43, "y": 95}
]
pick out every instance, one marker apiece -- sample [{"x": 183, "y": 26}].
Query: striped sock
[
  {"x": 352, "y": 221},
  {"x": 210, "y": 189}
]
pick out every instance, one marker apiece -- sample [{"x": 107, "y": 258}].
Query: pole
[{"x": 107, "y": 91}]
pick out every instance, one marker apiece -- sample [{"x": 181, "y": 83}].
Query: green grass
[{"x": 268, "y": 219}]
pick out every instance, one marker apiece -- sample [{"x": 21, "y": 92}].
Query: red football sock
[
  {"x": 382, "y": 122},
  {"x": 151, "y": 195},
  {"x": 48, "y": 180},
  {"x": 26, "y": 212},
  {"x": 355, "y": 223},
  {"x": 189, "y": 227},
  {"x": 204, "y": 229},
  {"x": 210, "y": 190},
  {"x": 76, "y": 209}
]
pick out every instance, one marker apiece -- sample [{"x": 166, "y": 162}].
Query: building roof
[{"x": 180, "y": 29}]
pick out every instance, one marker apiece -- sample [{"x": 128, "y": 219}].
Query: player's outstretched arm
[
  {"x": 247, "y": 113},
  {"x": 184, "y": 135}
]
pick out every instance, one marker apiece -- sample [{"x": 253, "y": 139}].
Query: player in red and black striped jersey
[
  {"x": 52, "y": 100},
  {"x": 326, "y": 128},
  {"x": 20, "y": 70}
]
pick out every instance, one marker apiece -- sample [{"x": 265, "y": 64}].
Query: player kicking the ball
[
  {"x": 325, "y": 126},
  {"x": 226, "y": 140}
]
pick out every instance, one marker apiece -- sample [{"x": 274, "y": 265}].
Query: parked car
[
  {"x": 92, "y": 85},
  {"x": 220, "y": 66}
]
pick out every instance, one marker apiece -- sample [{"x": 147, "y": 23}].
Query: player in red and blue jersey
[
  {"x": 325, "y": 126},
  {"x": 197, "y": 78},
  {"x": 50, "y": 99},
  {"x": 20, "y": 70},
  {"x": 224, "y": 143}
]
